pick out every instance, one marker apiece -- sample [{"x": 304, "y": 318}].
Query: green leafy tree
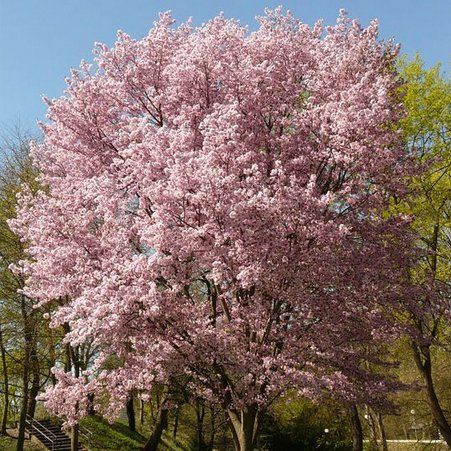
[
  {"x": 27, "y": 346},
  {"x": 427, "y": 126}
]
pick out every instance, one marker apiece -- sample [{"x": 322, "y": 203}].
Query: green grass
[
  {"x": 182, "y": 443},
  {"x": 414, "y": 447},
  {"x": 9, "y": 444},
  {"x": 417, "y": 447},
  {"x": 117, "y": 436}
]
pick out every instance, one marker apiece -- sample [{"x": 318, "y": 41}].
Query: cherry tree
[{"x": 213, "y": 210}]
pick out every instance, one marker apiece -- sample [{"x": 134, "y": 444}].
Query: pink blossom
[{"x": 212, "y": 208}]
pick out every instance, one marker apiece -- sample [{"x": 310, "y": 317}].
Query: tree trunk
[
  {"x": 380, "y": 423},
  {"x": 160, "y": 426},
  {"x": 131, "y": 413},
  {"x": 67, "y": 355},
  {"x": 425, "y": 369},
  {"x": 34, "y": 391},
  {"x": 200, "y": 415},
  {"x": 244, "y": 426},
  {"x": 176, "y": 422},
  {"x": 436, "y": 409},
  {"x": 52, "y": 355},
  {"x": 141, "y": 412},
  {"x": 74, "y": 360},
  {"x": 357, "y": 432},
  {"x": 74, "y": 442},
  {"x": 374, "y": 445},
  {"x": 5, "y": 385},
  {"x": 91, "y": 410},
  {"x": 23, "y": 413},
  {"x": 212, "y": 428},
  {"x": 28, "y": 337}
]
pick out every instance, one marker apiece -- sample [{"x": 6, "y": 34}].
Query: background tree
[
  {"x": 22, "y": 327},
  {"x": 426, "y": 127}
]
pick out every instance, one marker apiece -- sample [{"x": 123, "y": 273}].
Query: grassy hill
[
  {"x": 9, "y": 444},
  {"x": 106, "y": 436}
]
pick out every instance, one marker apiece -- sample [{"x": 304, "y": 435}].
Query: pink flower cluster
[{"x": 212, "y": 209}]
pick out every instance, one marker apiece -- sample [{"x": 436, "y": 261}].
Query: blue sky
[{"x": 41, "y": 39}]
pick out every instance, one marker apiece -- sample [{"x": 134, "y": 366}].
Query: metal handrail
[
  {"x": 85, "y": 431},
  {"x": 87, "y": 434},
  {"x": 34, "y": 428},
  {"x": 31, "y": 421},
  {"x": 41, "y": 425}
]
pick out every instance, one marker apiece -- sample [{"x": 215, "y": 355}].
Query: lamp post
[
  {"x": 414, "y": 425},
  {"x": 326, "y": 432}
]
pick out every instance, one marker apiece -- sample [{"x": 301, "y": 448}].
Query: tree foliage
[
  {"x": 427, "y": 127},
  {"x": 213, "y": 210}
]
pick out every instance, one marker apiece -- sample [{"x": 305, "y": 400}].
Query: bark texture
[
  {"x": 424, "y": 364},
  {"x": 357, "y": 432},
  {"x": 244, "y": 427}
]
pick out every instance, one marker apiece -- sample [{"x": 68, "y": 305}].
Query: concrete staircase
[{"x": 49, "y": 434}]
